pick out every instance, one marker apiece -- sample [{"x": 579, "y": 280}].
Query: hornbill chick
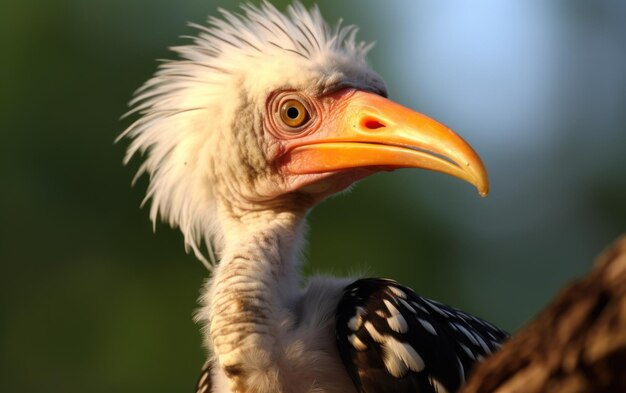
[{"x": 264, "y": 115}]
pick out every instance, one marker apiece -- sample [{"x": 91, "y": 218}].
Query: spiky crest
[{"x": 186, "y": 109}]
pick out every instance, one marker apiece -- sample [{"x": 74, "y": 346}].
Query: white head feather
[{"x": 200, "y": 116}]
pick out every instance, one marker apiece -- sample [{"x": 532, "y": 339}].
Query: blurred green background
[{"x": 92, "y": 300}]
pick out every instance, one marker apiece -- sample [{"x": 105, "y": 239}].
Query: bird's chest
[
  {"x": 296, "y": 359},
  {"x": 279, "y": 345}
]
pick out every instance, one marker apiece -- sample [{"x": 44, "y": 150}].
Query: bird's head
[{"x": 271, "y": 111}]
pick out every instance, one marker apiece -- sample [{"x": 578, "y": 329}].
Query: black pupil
[{"x": 293, "y": 113}]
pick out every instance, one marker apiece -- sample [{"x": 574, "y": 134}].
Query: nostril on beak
[{"x": 372, "y": 124}]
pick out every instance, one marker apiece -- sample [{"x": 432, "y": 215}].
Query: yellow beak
[{"x": 370, "y": 131}]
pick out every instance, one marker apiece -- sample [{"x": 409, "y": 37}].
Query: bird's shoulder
[{"x": 391, "y": 339}]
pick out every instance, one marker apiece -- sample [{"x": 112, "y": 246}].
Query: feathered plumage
[{"x": 263, "y": 116}]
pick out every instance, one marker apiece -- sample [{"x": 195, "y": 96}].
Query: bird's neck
[
  {"x": 263, "y": 245},
  {"x": 248, "y": 297}
]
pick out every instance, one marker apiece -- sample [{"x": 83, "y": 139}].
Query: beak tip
[
  {"x": 481, "y": 182},
  {"x": 483, "y": 188},
  {"x": 480, "y": 179}
]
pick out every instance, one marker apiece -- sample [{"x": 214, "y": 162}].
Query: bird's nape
[{"x": 265, "y": 115}]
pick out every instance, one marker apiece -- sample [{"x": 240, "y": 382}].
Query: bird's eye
[{"x": 293, "y": 113}]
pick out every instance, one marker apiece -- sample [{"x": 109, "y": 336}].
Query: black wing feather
[
  {"x": 205, "y": 383},
  {"x": 392, "y": 340}
]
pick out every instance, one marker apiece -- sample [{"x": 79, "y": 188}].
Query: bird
[{"x": 262, "y": 116}]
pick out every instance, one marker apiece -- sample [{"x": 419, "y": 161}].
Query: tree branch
[{"x": 577, "y": 344}]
